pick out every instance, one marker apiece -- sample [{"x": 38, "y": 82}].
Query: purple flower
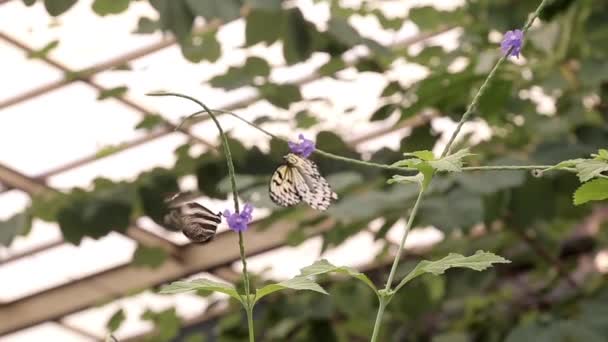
[
  {"x": 513, "y": 40},
  {"x": 304, "y": 148},
  {"x": 239, "y": 221}
]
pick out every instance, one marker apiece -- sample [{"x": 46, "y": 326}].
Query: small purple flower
[
  {"x": 304, "y": 148},
  {"x": 239, "y": 221},
  {"x": 512, "y": 39}
]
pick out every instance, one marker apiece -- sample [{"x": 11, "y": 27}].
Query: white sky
[{"x": 69, "y": 123}]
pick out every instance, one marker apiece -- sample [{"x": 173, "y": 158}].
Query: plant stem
[
  {"x": 446, "y": 150},
  {"x": 391, "y": 275},
  {"x": 378, "y": 322},
  {"x": 249, "y": 312},
  {"x": 471, "y": 108},
  {"x": 235, "y": 195}
]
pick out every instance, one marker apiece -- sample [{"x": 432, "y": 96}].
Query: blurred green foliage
[{"x": 566, "y": 57}]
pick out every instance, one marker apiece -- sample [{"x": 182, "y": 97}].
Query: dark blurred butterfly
[{"x": 196, "y": 222}]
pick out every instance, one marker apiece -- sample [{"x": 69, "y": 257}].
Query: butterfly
[
  {"x": 196, "y": 222},
  {"x": 298, "y": 179}
]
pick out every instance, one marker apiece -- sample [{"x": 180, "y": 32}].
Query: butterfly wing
[
  {"x": 282, "y": 187},
  {"x": 315, "y": 191}
]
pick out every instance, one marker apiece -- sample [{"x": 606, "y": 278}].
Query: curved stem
[
  {"x": 317, "y": 151},
  {"x": 232, "y": 175}
]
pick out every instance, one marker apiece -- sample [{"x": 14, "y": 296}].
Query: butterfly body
[
  {"x": 298, "y": 179},
  {"x": 196, "y": 222}
]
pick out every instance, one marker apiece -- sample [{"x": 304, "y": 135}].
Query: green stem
[
  {"x": 391, "y": 275},
  {"x": 232, "y": 175},
  {"x": 471, "y": 108},
  {"x": 249, "y": 312},
  {"x": 317, "y": 151},
  {"x": 446, "y": 150},
  {"x": 410, "y": 222},
  {"x": 378, "y": 322}
]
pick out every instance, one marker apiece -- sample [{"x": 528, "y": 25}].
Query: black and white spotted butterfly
[
  {"x": 196, "y": 222},
  {"x": 298, "y": 179}
]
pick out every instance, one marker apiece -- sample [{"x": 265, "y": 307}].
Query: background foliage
[{"x": 529, "y": 220}]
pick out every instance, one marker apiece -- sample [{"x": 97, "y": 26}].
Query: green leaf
[
  {"x": 105, "y": 7},
  {"x": 297, "y": 37},
  {"x": 167, "y": 324},
  {"x": 257, "y": 29},
  {"x": 479, "y": 261},
  {"x": 176, "y": 16},
  {"x": 150, "y": 122},
  {"x": 451, "y": 163},
  {"x": 113, "y": 92},
  {"x": 334, "y": 65},
  {"x": 383, "y": 112},
  {"x": 244, "y": 75},
  {"x": 17, "y": 224},
  {"x": 280, "y": 95},
  {"x": 199, "y": 47},
  {"x": 343, "y": 32},
  {"x": 271, "y": 5},
  {"x": 423, "y": 155},
  {"x": 200, "y": 284},
  {"x": 42, "y": 53},
  {"x": 29, "y": 3},
  {"x": 145, "y": 256},
  {"x": 147, "y": 26},
  {"x": 58, "y": 7},
  {"x": 590, "y": 168},
  {"x": 323, "y": 266},
  {"x": 226, "y": 10},
  {"x": 456, "y": 209},
  {"x": 304, "y": 120},
  {"x": 416, "y": 179},
  {"x": 602, "y": 154},
  {"x": 595, "y": 190},
  {"x": 296, "y": 283},
  {"x": 116, "y": 320}
]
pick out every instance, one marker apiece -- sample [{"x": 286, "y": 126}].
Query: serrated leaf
[
  {"x": 116, "y": 320},
  {"x": 451, "y": 163},
  {"x": 566, "y": 163},
  {"x": 590, "y": 168},
  {"x": 323, "y": 266},
  {"x": 200, "y": 284},
  {"x": 479, "y": 261},
  {"x": 595, "y": 190},
  {"x": 422, "y": 155},
  {"x": 602, "y": 154},
  {"x": 416, "y": 179},
  {"x": 296, "y": 283}
]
